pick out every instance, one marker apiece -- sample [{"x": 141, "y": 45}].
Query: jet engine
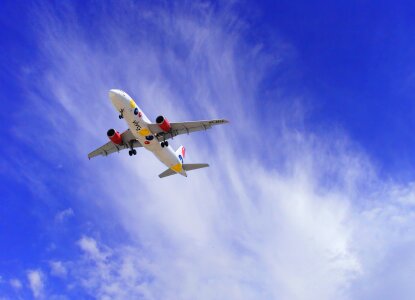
[
  {"x": 163, "y": 123},
  {"x": 114, "y": 136}
]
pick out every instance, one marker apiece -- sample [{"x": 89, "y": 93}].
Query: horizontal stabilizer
[
  {"x": 166, "y": 173},
  {"x": 189, "y": 167},
  {"x": 186, "y": 167}
]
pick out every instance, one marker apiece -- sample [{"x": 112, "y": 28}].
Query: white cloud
[
  {"x": 282, "y": 212},
  {"x": 57, "y": 268},
  {"x": 16, "y": 283},
  {"x": 36, "y": 283},
  {"x": 90, "y": 247},
  {"x": 116, "y": 274},
  {"x": 64, "y": 215}
]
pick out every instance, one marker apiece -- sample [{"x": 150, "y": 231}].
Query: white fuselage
[{"x": 138, "y": 123}]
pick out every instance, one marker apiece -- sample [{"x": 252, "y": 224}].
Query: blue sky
[{"x": 310, "y": 193}]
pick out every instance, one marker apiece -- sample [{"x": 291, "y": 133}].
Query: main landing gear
[
  {"x": 132, "y": 150},
  {"x": 164, "y": 144}
]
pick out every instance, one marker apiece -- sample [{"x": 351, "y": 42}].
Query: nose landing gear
[
  {"x": 164, "y": 144},
  {"x": 121, "y": 116}
]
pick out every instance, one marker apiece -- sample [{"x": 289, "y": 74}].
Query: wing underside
[
  {"x": 176, "y": 129},
  {"x": 109, "y": 148},
  {"x": 183, "y": 128}
]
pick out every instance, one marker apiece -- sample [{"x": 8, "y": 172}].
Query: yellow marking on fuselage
[
  {"x": 144, "y": 132},
  {"x": 177, "y": 168},
  {"x": 132, "y": 103}
]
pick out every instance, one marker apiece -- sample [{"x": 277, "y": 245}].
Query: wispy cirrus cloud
[{"x": 283, "y": 212}]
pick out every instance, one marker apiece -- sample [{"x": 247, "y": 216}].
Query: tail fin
[{"x": 181, "y": 152}]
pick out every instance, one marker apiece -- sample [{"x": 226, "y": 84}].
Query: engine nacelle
[
  {"x": 114, "y": 136},
  {"x": 163, "y": 123}
]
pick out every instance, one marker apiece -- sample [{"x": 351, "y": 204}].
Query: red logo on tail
[{"x": 183, "y": 151}]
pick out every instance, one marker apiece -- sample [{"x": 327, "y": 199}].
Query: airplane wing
[
  {"x": 183, "y": 127},
  {"x": 110, "y": 147}
]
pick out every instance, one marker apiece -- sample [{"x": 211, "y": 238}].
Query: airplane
[{"x": 151, "y": 136}]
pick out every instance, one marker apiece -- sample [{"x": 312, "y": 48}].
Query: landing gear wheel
[
  {"x": 134, "y": 152},
  {"x": 130, "y": 153},
  {"x": 162, "y": 144},
  {"x": 120, "y": 117},
  {"x": 166, "y": 143}
]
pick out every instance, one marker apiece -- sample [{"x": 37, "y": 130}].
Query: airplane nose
[
  {"x": 113, "y": 93},
  {"x": 117, "y": 98}
]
